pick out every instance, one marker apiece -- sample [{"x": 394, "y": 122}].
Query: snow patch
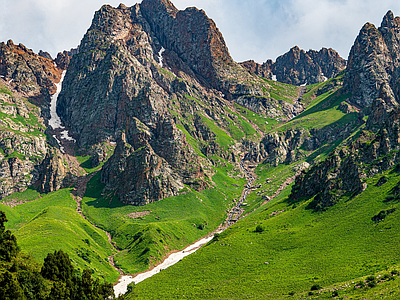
[
  {"x": 55, "y": 121},
  {"x": 59, "y": 143},
  {"x": 274, "y": 77},
  {"x": 325, "y": 78},
  {"x": 122, "y": 286},
  {"x": 304, "y": 84},
  {"x": 10, "y": 81},
  {"x": 65, "y": 136},
  {"x": 160, "y": 57}
]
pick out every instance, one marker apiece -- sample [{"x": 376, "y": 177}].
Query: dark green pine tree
[
  {"x": 9, "y": 287},
  {"x": 8, "y": 242},
  {"x": 58, "y": 267}
]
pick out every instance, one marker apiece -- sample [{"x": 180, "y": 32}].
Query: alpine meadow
[{"x": 148, "y": 164}]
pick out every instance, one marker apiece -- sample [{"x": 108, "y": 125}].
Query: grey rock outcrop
[
  {"x": 373, "y": 67},
  {"x": 264, "y": 70},
  {"x": 51, "y": 172},
  {"x": 299, "y": 67},
  {"x": 140, "y": 177},
  {"x": 329, "y": 180},
  {"x": 26, "y": 83},
  {"x": 30, "y": 73}
]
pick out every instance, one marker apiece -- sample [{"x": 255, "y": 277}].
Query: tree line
[{"x": 23, "y": 278}]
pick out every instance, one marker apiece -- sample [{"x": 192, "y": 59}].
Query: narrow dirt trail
[
  {"x": 78, "y": 193},
  {"x": 236, "y": 212},
  {"x": 287, "y": 182}
]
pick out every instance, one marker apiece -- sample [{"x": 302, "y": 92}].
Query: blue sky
[{"x": 253, "y": 29}]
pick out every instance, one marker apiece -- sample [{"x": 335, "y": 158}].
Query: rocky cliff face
[
  {"x": 29, "y": 72},
  {"x": 327, "y": 181},
  {"x": 299, "y": 67},
  {"x": 119, "y": 60},
  {"x": 373, "y": 65},
  {"x": 142, "y": 70},
  {"x": 372, "y": 79},
  {"x": 264, "y": 70},
  {"x": 140, "y": 177},
  {"x": 296, "y": 144},
  {"x": 345, "y": 170},
  {"x": 26, "y": 155},
  {"x": 51, "y": 172},
  {"x": 22, "y": 141}
]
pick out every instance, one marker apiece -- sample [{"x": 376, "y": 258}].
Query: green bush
[
  {"x": 259, "y": 228},
  {"x": 57, "y": 267},
  {"x": 131, "y": 287},
  {"x": 370, "y": 278},
  {"x": 9, "y": 287},
  {"x": 316, "y": 287}
]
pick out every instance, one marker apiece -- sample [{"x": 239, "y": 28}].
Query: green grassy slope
[
  {"x": 51, "y": 223},
  {"x": 297, "y": 249},
  {"x": 170, "y": 224}
]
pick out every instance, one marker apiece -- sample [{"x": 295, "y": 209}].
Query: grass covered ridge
[
  {"x": 50, "y": 222},
  {"x": 296, "y": 250},
  {"x": 163, "y": 226}
]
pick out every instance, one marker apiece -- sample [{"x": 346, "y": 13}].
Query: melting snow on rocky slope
[
  {"x": 160, "y": 57},
  {"x": 55, "y": 121}
]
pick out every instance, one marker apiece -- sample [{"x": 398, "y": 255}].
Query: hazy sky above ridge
[{"x": 253, "y": 29}]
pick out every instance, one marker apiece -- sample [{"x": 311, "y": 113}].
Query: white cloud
[{"x": 253, "y": 29}]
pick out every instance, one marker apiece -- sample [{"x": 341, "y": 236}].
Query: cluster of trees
[{"x": 22, "y": 278}]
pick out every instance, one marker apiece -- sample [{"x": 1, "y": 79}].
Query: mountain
[
  {"x": 26, "y": 82},
  {"x": 373, "y": 64},
  {"x": 164, "y": 139},
  {"x": 328, "y": 187},
  {"x": 299, "y": 67},
  {"x": 134, "y": 75}
]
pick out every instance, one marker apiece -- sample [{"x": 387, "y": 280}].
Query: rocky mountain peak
[
  {"x": 373, "y": 62},
  {"x": 264, "y": 70},
  {"x": 390, "y": 21},
  {"x": 191, "y": 35},
  {"x": 159, "y": 6},
  {"x": 27, "y": 71},
  {"x": 300, "y": 67}
]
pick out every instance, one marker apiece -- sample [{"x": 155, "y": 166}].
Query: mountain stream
[{"x": 122, "y": 286}]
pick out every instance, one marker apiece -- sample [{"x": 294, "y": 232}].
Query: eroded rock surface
[
  {"x": 373, "y": 67},
  {"x": 299, "y": 67}
]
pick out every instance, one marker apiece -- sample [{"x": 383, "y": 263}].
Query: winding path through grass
[{"x": 78, "y": 193}]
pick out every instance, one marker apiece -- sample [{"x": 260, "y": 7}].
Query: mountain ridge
[{"x": 168, "y": 127}]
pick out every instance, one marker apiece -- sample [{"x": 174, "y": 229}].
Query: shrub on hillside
[
  {"x": 316, "y": 287},
  {"x": 259, "y": 228}
]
